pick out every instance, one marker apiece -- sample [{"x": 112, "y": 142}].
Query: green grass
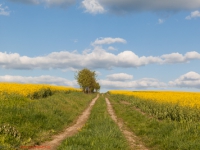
[
  {"x": 157, "y": 134},
  {"x": 99, "y": 133},
  {"x": 27, "y": 122}
]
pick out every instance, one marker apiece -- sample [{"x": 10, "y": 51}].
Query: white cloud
[
  {"x": 111, "y": 48},
  {"x": 45, "y": 79},
  {"x": 121, "y": 7},
  {"x": 129, "y": 59},
  {"x": 179, "y": 58},
  {"x": 194, "y": 14},
  {"x": 161, "y": 21},
  {"x": 4, "y": 11},
  {"x": 188, "y": 80},
  {"x": 49, "y": 3},
  {"x": 86, "y": 51},
  {"x": 98, "y": 73},
  {"x": 144, "y": 83},
  {"x": 173, "y": 58},
  {"x": 119, "y": 77},
  {"x": 126, "y": 6},
  {"x": 192, "y": 55},
  {"x": 93, "y": 7},
  {"x": 108, "y": 40},
  {"x": 96, "y": 58}
]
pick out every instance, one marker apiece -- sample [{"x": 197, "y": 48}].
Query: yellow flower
[
  {"x": 28, "y": 89},
  {"x": 191, "y": 99}
]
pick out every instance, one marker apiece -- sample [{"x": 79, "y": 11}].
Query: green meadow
[{"x": 24, "y": 121}]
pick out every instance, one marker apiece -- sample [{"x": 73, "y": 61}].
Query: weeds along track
[
  {"x": 131, "y": 138},
  {"x": 70, "y": 131}
]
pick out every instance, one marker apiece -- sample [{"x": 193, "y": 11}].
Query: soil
[
  {"x": 132, "y": 139},
  {"x": 70, "y": 131}
]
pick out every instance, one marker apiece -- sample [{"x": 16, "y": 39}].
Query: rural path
[
  {"x": 132, "y": 139},
  {"x": 70, "y": 131}
]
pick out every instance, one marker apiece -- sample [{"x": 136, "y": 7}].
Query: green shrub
[{"x": 42, "y": 93}]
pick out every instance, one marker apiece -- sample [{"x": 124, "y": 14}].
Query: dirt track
[
  {"x": 70, "y": 131},
  {"x": 131, "y": 138}
]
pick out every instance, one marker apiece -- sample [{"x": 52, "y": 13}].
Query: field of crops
[
  {"x": 164, "y": 120},
  {"x": 31, "y": 113},
  {"x": 190, "y": 99},
  {"x": 179, "y": 106},
  {"x": 161, "y": 119},
  {"x": 32, "y": 90}
]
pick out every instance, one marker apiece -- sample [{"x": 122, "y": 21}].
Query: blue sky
[{"x": 131, "y": 44}]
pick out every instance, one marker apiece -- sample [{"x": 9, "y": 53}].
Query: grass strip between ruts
[{"x": 99, "y": 133}]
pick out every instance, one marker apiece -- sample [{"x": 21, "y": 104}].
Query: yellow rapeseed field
[
  {"x": 191, "y": 99},
  {"x": 28, "y": 89}
]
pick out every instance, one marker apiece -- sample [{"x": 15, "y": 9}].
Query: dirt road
[
  {"x": 133, "y": 140},
  {"x": 70, "y": 131}
]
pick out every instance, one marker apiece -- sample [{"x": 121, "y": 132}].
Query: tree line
[{"x": 87, "y": 81}]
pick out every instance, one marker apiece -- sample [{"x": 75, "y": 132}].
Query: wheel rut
[
  {"x": 70, "y": 131},
  {"x": 132, "y": 139}
]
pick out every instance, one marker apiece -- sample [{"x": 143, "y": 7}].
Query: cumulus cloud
[
  {"x": 108, "y": 40},
  {"x": 114, "y": 81},
  {"x": 121, "y": 7},
  {"x": 144, "y": 83},
  {"x": 61, "y": 3},
  {"x": 188, "y": 80},
  {"x": 129, "y": 59},
  {"x": 96, "y": 58},
  {"x": 4, "y": 11},
  {"x": 93, "y": 7},
  {"x": 119, "y": 77},
  {"x": 194, "y": 14},
  {"x": 179, "y": 58},
  {"x": 125, "y": 6},
  {"x": 45, "y": 79}
]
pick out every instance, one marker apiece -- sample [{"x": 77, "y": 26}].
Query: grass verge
[
  {"x": 157, "y": 134},
  {"x": 28, "y": 122},
  {"x": 99, "y": 133}
]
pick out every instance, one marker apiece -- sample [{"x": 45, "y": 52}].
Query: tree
[
  {"x": 97, "y": 86},
  {"x": 87, "y": 80}
]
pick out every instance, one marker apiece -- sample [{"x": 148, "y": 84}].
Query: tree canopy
[{"x": 87, "y": 80}]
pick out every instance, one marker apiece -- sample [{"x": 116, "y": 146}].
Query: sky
[{"x": 130, "y": 44}]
